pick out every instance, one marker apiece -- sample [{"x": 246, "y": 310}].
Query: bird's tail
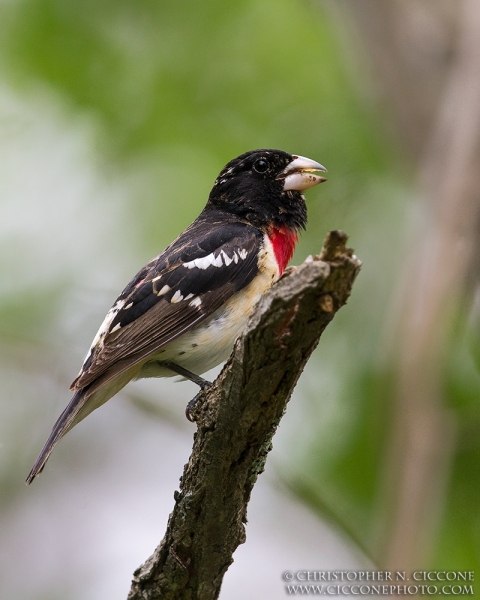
[{"x": 68, "y": 418}]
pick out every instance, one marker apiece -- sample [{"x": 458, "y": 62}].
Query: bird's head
[{"x": 265, "y": 188}]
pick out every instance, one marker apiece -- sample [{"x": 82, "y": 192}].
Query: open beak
[{"x": 301, "y": 174}]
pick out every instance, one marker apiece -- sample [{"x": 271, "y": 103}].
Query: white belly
[{"x": 211, "y": 342}]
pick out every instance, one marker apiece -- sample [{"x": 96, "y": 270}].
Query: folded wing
[{"x": 173, "y": 293}]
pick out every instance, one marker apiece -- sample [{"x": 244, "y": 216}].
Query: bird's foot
[
  {"x": 193, "y": 402},
  {"x": 202, "y": 383}
]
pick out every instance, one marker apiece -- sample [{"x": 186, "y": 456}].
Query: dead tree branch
[{"x": 237, "y": 418}]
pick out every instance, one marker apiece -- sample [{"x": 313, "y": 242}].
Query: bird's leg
[{"x": 202, "y": 383}]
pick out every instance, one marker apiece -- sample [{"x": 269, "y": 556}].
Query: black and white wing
[{"x": 193, "y": 277}]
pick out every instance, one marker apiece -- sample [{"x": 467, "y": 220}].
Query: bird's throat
[{"x": 283, "y": 241}]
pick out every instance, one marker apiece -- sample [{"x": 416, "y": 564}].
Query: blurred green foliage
[
  {"x": 175, "y": 90},
  {"x": 213, "y": 77}
]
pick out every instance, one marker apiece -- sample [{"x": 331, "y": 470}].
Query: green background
[{"x": 115, "y": 119}]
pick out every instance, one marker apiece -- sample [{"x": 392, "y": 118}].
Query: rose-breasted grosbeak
[{"x": 181, "y": 314}]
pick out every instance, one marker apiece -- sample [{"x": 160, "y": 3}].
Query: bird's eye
[{"x": 261, "y": 165}]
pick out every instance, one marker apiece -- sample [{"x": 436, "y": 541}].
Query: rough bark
[{"x": 237, "y": 418}]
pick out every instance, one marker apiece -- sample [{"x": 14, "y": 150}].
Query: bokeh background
[{"x": 115, "y": 118}]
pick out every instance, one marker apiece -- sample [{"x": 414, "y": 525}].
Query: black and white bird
[{"x": 181, "y": 314}]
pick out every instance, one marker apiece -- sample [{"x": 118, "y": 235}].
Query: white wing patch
[
  {"x": 216, "y": 261},
  {"x": 226, "y": 258},
  {"x": 165, "y": 289},
  {"x": 205, "y": 262},
  {"x": 177, "y": 296},
  {"x": 112, "y": 313},
  {"x": 196, "y": 302}
]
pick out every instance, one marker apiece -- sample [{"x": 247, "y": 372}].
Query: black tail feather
[{"x": 64, "y": 422}]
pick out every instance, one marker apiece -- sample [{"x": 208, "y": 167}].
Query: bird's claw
[{"x": 193, "y": 402}]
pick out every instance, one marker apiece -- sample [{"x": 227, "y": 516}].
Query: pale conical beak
[{"x": 301, "y": 174}]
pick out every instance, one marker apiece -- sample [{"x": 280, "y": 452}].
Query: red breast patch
[{"x": 283, "y": 242}]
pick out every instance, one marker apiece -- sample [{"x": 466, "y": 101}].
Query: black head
[{"x": 264, "y": 187}]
